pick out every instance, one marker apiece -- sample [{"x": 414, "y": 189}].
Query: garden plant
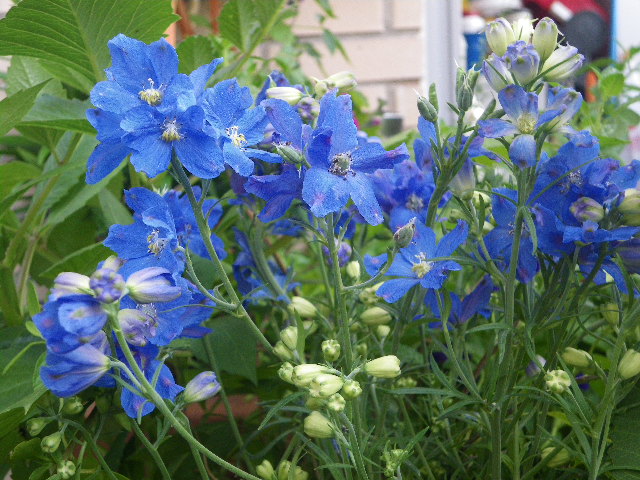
[{"x": 213, "y": 267}]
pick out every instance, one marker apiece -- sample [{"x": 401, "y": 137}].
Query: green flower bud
[
  {"x": 303, "y": 374},
  {"x": 564, "y": 62},
  {"x": 317, "y": 425},
  {"x": 303, "y": 307},
  {"x": 66, "y": 469},
  {"x": 283, "y": 353},
  {"x": 545, "y": 38},
  {"x": 522, "y": 30},
  {"x": 611, "y": 313},
  {"x": 405, "y": 382},
  {"x": 383, "y": 367},
  {"x": 72, "y": 406},
  {"x": 289, "y": 337},
  {"x": 629, "y": 364},
  {"x": 290, "y": 154},
  {"x": 285, "y": 372},
  {"x": 315, "y": 403},
  {"x": 50, "y": 443},
  {"x": 427, "y": 110},
  {"x": 559, "y": 459},
  {"x": 351, "y": 389},
  {"x": 433, "y": 96},
  {"x": 36, "y": 425},
  {"x": 288, "y": 94},
  {"x": 321, "y": 87},
  {"x": 284, "y": 469},
  {"x": 343, "y": 81},
  {"x": 336, "y": 403},
  {"x": 557, "y": 381},
  {"x": 630, "y": 207},
  {"x": 375, "y": 316},
  {"x": 353, "y": 269},
  {"x": 577, "y": 358},
  {"x": 368, "y": 295},
  {"x": 499, "y": 35},
  {"x": 383, "y": 331},
  {"x": 325, "y": 385},
  {"x": 587, "y": 209},
  {"x": 331, "y": 350},
  {"x": 265, "y": 471},
  {"x": 404, "y": 235},
  {"x": 362, "y": 349}
]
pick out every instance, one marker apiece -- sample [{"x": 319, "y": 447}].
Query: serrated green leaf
[
  {"x": 83, "y": 261},
  {"x": 15, "y": 107},
  {"x": 15, "y": 173},
  {"x": 196, "y": 51},
  {"x": 16, "y": 384},
  {"x": 612, "y": 84},
  {"x": 72, "y": 35},
  {"x": 237, "y": 22},
  {"x": 59, "y": 113}
]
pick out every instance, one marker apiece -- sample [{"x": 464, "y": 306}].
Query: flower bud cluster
[
  {"x": 522, "y": 53},
  {"x": 343, "y": 81}
]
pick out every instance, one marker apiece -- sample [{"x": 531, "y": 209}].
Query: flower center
[
  {"x": 527, "y": 123},
  {"x": 238, "y": 139},
  {"x": 170, "y": 131},
  {"x": 422, "y": 267},
  {"x": 156, "y": 244},
  {"x": 153, "y": 96},
  {"x": 340, "y": 164},
  {"x": 573, "y": 178},
  {"x": 415, "y": 203}
]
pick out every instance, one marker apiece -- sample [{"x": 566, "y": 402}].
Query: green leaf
[
  {"x": 25, "y": 72},
  {"x": 237, "y": 22},
  {"x": 10, "y": 435},
  {"x": 83, "y": 261},
  {"x": 60, "y": 113},
  {"x": 624, "y": 451},
  {"x": 235, "y": 346},
  {"x": 333, "y": 43},
  {"x": 15, "y": 107},
  {"x": 14, "y": 173},
  {"x": 9, "y": 304},
  {"x": 72, "y": 35},
  {"x": 612, "y": 84},
  {"x": 113, "y": 209},
  {"x": 17, "y": 385},
  {"x": 196, "y": 51}
]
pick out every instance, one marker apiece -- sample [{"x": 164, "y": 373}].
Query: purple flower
[{"x": 463, "y": 310}]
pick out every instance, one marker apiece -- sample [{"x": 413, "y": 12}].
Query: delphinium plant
[{"x": 463, "y": 309}]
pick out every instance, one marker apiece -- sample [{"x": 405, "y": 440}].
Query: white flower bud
[
  {"x": 303, "y": 307},
  {"x": 285, "y": 372},
  {"x": 289, "y": 337},
  {"x": 325, "y": 385},
  {"x": 303, "y": 374},
  {"x": 577, "y": 358},
  {"x": 545, "y": 38},
  {"x": 284, "y": 471},
  {"x": 351, "y": 389},
  {"x": 383, "y": 367},
  {"x": 265, "y": 471},
  {"x": 66, "y": 469},
  {"x": 353, "y": 269},
  {"x": 522, "y": 30},
  {"x": 317, "y": 425},
  {"x": 559, "y": 459},
  {"x": 281, "y": 350},
  {"x": 331, "y": 350},
  {"x": 499, "y": 35},
  {"x": 630, "y": 364},
  {"x": 557, "y": 381},
  {"x": 336, "y": 403},
  {"x": 383, "y": 331},
  {"x": 288, "y": 94},
  {"x": 375, "y": 316},
  {"x": 343, "y": 81}
]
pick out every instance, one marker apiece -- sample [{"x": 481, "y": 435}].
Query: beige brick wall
[{"x": 384, "y": 42}]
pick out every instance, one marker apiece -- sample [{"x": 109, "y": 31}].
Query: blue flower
[
  {"x": 203, "y": 386},
  {"x": 340, "y": 167},
  {"x": 499, "y": 241},
  {"x": 414, "y": 264},
  {"x": 70, "y": 373},
  {"x": 236, "y": 125},
  {"x": 462, "y": 311},
  {"x": 278, "y": 191}
]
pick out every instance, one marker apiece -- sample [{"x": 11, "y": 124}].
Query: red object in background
[{"x": 563, "y": 10}]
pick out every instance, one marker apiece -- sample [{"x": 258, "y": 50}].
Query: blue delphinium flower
[
  {"x": 228, "y": 111},
  {"x": 477, "y": 302},
  {"x": 414, "y": 265},
  {"x": 499, "y": 241},
  {"x": 340, "y": 167},
  {"x": 278, "y": 191}
]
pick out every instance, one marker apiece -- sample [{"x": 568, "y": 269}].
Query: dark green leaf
[
  {"x": 15, "y": 107},
  {"x": 56, "y": 112},
  {"x": 83, "y": 261},
  {"x": 196, "y": 51},
  {"x": 625, "y": 441},
  {"x": 612, "y": 84},
  {"x": 237, "y": 22},
  {"x": 9, "y": 305},
  {"x": 235, "y": 347},
  {"x": 72, "y": 35},
  {"x": 14, "y": 173},
  {"x": 25, "y": 72},
  {"x": 112, "y": 208}
]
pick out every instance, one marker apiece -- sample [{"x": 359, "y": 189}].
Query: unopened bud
[
  {"x": 577, "y": 358},
  {"x": 522, "y": 29},
  {"x": 545, "y": 37},
  {"x": 152, "y": 285},
  {"x": 351, "y": 389},
  {"x": 563, "y": 63},
  {"x": 290, "y": 95},
  {"x": 50, "y": 443},
  {"x": 70, "y": 283},
  {"x": 66, "y": 469},
  {"x": 289, "y": 337},
  {"x": 331, "y": 350},
  {"x": 383, "y": 367},
  {"x": 499, "y": 35},
  {"x": 285, "y": 372},
  {"x": 404, "y": 235},
  {"x": 557, "y": 381},
  {"x": 203, "y": 386},
  {"x": 368, "y": 295},
  {"x": 325, "y": 384},
  {"x": 315, "y": 403},
  {"x": 427, "y": 110},
  {"x": 611, "y": 314},
  {"x": 629, "y": 364},
  {"x": 375, "y": 316},
  {"x": 586, "y": 209},
  {"x": 36, "y": 425},
  {"x": 290, "y": 154},
  {"x": 353, "y": 269},
  {"x": 302, "y": 307},
  {"x": 283, "y": 353},
  {"x": 630, "y": 207},
  {"x": 362, "y": 349},
  {"x": 336, "y": 403},
  {"x": 317, "y": 425},
  {"x": 405, "y": 382},
  {"x": 265, "y": 471},
  {"x": 285, "y": 473},
  {"x": 343, "y": 81},
  {"x": 523, "y": 61},
  {"x": 496, "y": 73},
  {"x": 534, "y": 368},
  {"x": 303, "y": 374},
  {"x": 463, "y": 184},
  {"x": 383, "y": 331},
  {"x": 559, "y": 459},
  {"x": 72, "y": 406}
]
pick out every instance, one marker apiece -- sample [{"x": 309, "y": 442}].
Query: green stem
[
  {"x": 92, "y": 444},
  {"x": 205, "y": 233},
  {"x": 150, "y": 448}
]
